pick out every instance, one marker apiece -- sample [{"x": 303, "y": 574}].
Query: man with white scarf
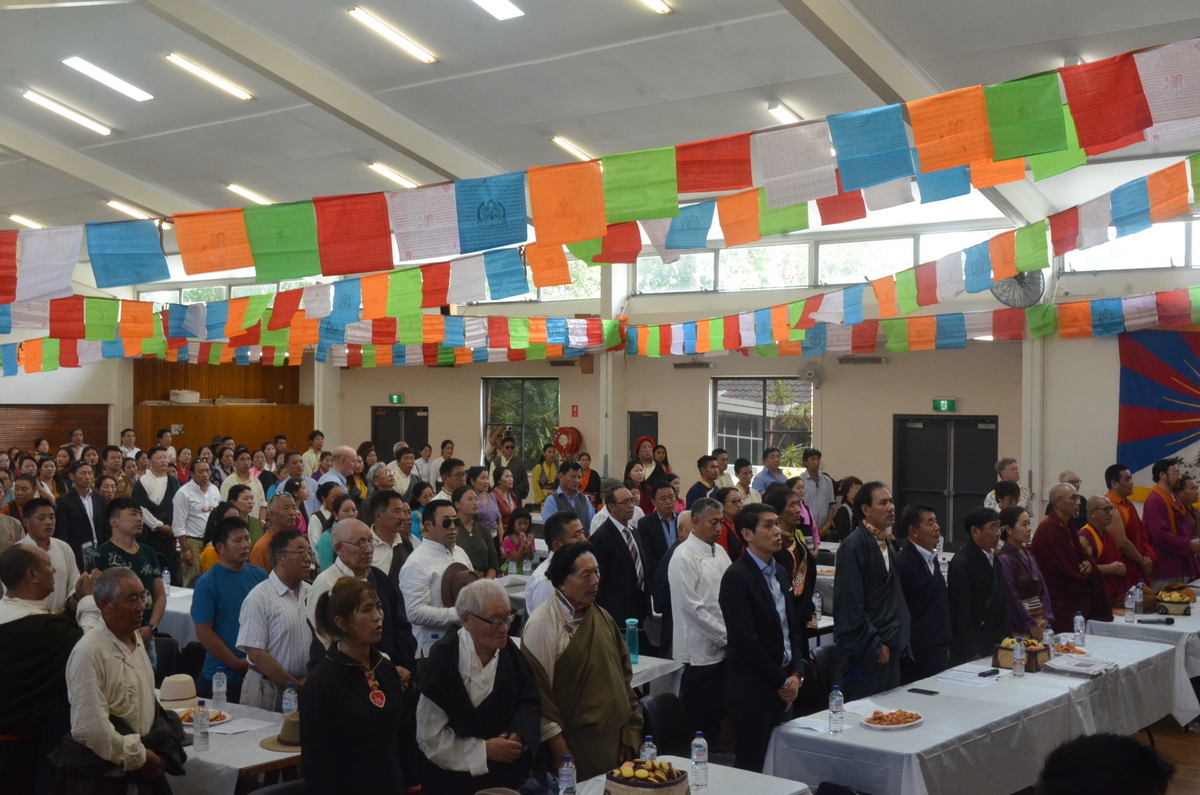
[{"x": 155, "y": 494}]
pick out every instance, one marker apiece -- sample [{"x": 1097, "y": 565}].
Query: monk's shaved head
[{"x": 1061, "y": 490}]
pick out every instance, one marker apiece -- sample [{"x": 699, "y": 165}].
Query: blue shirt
[
  {"x": 766, "y": 478},
  {"x": 217, "y": 600},
  {"x": 768, "y": 570},
  {"x": 670, "y": 528},
  {"x": 559, "y": 501},
  {"x": 311, "y": 505},
  {"x": 699, "y": 491}
]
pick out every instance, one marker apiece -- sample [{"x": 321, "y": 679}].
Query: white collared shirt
[
  {"x": 695, "y": 572},
  {"x": 929, "y": 556},
  {"x": 382, "y": 556},
  {"x": 437, "y": 740},
  {"x": 193, "y": 507},
  {"x": 421, "y": 584},
  {"x": 156, "y": 489},
  {"x": 324, "y": 582},
  {"x": 275, "y": 619},
  {"x": 66, "y": 573},
  {"x": 603, "y": 516},
  {"x": 87, "y": 508},
  {"x": 538, "y": 589},
  {"x": 13, "y": 609}
]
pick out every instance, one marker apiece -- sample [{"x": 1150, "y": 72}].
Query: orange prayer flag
[
  {"x": 951, "y": 129},
  {"x": 791, "y": 348},
  {"x": 567, "y": 202},
  {"x": 738, "y": 215},
  {"x": 548, "y": 262},
  {"x": 537, "y": 331},
  {"x": 213, "y": 241},
  {"x": 236, "y": 320},
  {"x": 1168, "y": 190},
  {"x": 885, "y": 294},
  {"x": 643, "y": 340},
  {"x": 227, "y": 354},
  {"x": 33, "y": 355},
  {"x": 172, "y": 354},
  {"x": 703, "y": 342},
  {"x": 133, "y": 347},
  {"x": 554, "y": 351},
  {"x": 375, "y": 295},
  {"x": 463, "y": 355},
  {"x": 1075, "y": 319},
  {"x": 922, "y": 333},
  {"x": 137, "y": 320},
  {"x": 304, "y": 331},
  {"x": 1003, "y": 250},
  {"x": 988, "y": 174},
  {"x": 295, "y": 352},
  {"x": 781, "y": 329},
  {"x": 383, "y": 356},
  {"x": 433, "y": 329}
]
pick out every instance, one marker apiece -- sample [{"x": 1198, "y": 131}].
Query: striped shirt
[{"x": 274, "y": 619}]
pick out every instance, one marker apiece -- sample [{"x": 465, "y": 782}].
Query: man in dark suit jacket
[
  {"x": 660, "y": 530},
  {"x": 978, "y": 594},
  {"x": 767, "y": 655},
  {"x": 925, "y": 593},
  {"x": 624, "y": 572},
  {"x": 72, "y": 522},
  {"x": 660, "y": 587}
]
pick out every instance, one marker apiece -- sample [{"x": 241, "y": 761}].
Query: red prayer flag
[
  {"x": 927, "y": 286},
  {"x": 1008, "y": 325},
  {"x": 733, "y": 333},
  {"x": 8, "y": 266},
  {"x": 384, "y": 331},
  {"x": 810, "y": 306},
  {"x": 843, "y": 207},
  {"x": 354, "y": 356},
  {"x": 715, "y": 164},
  {"x": 1064, "y": 231},
  {"x": 1174, "y": 308},
  {"x": 516, "y": 354},
  {"x": 1106, "y": 99},
  {"x": 354, "y": 234},
  {"x": 251, "y": 336},
  {"x": 621, "y": 245},
  {"x": 664, "y": 339},
  {"x": 68, "y": 353},
  {"x": 435, "y": 283},
  {"x": 498, "y": 332},
  {"x": 66, "y": 318},
  {"x": 863, "y": 336},
  {"x": 1112, "y": 146},
  {"x": 267, "y": 359},
  {"x": 284, "y": 309},
  {"x": 595, "y": 332},
  {"x": 175, "y": 343}
]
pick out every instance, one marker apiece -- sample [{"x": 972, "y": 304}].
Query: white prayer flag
[
  {"x": 1171, "y": 80},
  {"x": 31, "y": 314},
  {"x": 889, "y": 194},
  {"x": 47, "y": 260},
  {"x": 950, "y": 279},
  {"x": 839, "y": 339},
  {"x": 1094, "y": 219},
  {"x": 468, "y": 281},
  {"x": 475, "y": 332},
  {"x": 318, "y": 300},
  {"x": 832, "y": 309},
  {"x": 656, "y": 231},
  {"x": 425, "y": 221},
  {"x": 359, "y": 332},
  {"x": 577, "y": 336},
  {"x": 798, "y": 164},
  {"x": 1140, "y": 311},
  {"x": 746, "y": 327}
]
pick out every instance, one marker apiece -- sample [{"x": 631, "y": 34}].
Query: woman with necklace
[
  {"x": 473, "y": 537},
  {"x": 506, "y": 501},
  {"x": 1028, "y": 597},
  {"x": 489, "y": 506}
]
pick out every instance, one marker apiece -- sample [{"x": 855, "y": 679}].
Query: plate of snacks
[
  {"x": 1069, "y": 648},
  {"x": 891, "y": 721},
  {"x": 639, "y": 775},
  {"x": 1036, "y": 653},
  {"x": 214, "y": 716},
  {"x": 1175, "y": 600}
]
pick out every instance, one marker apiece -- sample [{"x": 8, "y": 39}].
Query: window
[
  {"x": 160, "y": 298},
  {"x": 847, "y": 263},
  {"x": 1160, "y": 246},
  {"x": 196, "y": 295},
  {"x": 528, "y": 410},
  {"x": 936, "y": 246},
  {"x": 753, "y": 414},
  {"x": 585, "y": 284},
  {"x": 297, "y": 284},
  {"x": 243, "y": 290},
  {"x": 690, "y": 272},
  {"x": 766, "y": 268}
]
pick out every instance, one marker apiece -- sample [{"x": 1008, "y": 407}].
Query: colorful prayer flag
[
  {"x": 781, "y": 220},
  {"x": 871, "y": 145},
  {"x": 1130, "y": 208},
  {"x": 548, "y": 264},
  {"x": 505, "y": 274},
  {"x": 1032, "y": 252},
  {"x": 621, "y": 244},
  {"x": 797, "y": 163},
  {"x": 125, "y": 253},
  {"x": 842, "y": 207},
  {"x": 491, "y": 212},
  {"x": 951, "y": 129},
  {"x": 567, "y": 202},
  {"x": 718, "y": 164},
  {"x": 1050, "y": 164},
  {"x": 640, "y": 185},
  {"x": 283, "y": 240},
  {"x": 425, "y": 221},
  {"x": 1106, "y": 100},
  {"x": 214, "y": 241},
  {"x": 1025, "y": 117},
  {"x": 690, "y": 228},
  {"x": 353, "y": 234},
  {"x": 738, "y": 216}
]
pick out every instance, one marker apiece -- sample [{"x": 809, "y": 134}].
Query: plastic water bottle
[
  {"x": 220, "y": 688},
  {"x": 818, "y": 603},
  {"x": 1130, "y": 607},
  {"x": 944, "y": 565},
  {"x": 837, "y": 711},
  {"x": 649, "y": 752},
  {"x": 527, "y": 567},
  {"x": 566, "y": 777},
  {"x": 1048, "y": 639},
  {"x": 1018, "y": 665},
  {"x": 699, "y": 776},
  {"x": 1139, "y": 603},
  {"x": 631, "y": 639},
  {"x": 511, "y": 567},
  {"x": 1080, "y": 629},
  {"x": 167, "y": 581},
  {"x": 200, "y": 727},
  {"x": 289, "y": 699},
  {"x": 941, "y": 544}
]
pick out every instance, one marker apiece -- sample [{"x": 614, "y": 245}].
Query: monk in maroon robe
[
  {"x": 1074, "y": 582},
  {"x": 1106, "y": 554}
]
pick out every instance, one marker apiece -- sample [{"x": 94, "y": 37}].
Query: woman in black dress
[{"x": 352, "y": 725}]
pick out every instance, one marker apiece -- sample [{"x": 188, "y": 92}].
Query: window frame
[
  {"x": 487, "y": 426},
  {"x": 805, "y": 438}
]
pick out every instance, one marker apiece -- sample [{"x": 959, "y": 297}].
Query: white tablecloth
[
  {"x": 721, "y": 781},
  {"x": 1184, "y": 635},
  {"x": 215, "y": 771},
  {"x": 177, "y": 620},
  {"x": 983, "y": 740},
  {"x": 661, "y": 674}
]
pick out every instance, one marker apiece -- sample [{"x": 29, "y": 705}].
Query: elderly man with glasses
[{"x": 421, "y": 576}]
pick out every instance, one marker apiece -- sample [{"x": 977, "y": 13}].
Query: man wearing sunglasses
[
  {"x": 421, "y": 576},
  {"x": 487, "y": 739}
]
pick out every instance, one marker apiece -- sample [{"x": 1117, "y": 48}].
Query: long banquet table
[{"x": 1184, "y": 636}]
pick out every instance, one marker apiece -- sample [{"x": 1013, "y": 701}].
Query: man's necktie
[{"x": 637, "y": 558}]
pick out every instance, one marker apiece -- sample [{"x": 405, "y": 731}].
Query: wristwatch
[{"x": 153, "y": 628}]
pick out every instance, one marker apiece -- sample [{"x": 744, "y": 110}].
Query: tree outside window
[{"x": 528, "y": 410}]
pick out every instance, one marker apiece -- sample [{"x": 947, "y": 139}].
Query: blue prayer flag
[
  {"x": 8, "y": 353},
  {"x": 762, "y": 326},
  {"x": 569, "y": 351},
  {"x": 216, "y": 314},
  {"x": 631, "y": 341},
  {"x": 689, "y": 337},
  {"x": 690, "y": 228},
  {"x": 556, "y": 331},
  {"x": 1108, "y": 317},
  {"x": 347, "y": 300},
  {"x": 491, "y": 212},
  {"x": 945, "y": 184},
  {"x": 5, "y": 318},
  {"x": 242, "y": 356},
  {"x": 479, "y": 355},
  {"x": 322, "y": 352},
  {"x": 331, "y": 333},
  {"x": 977, "y": 270},
  {"x": 505, "y": 274},
  {"x": 454, "y": 332},
  {"x": 872, "y": 146},
  {"x": 852, "y": 299},
  {"x": 951, "y": 331},
  {"x": 126, "y": 252},
  {"x": 1131, "y": 207},
  {"x": 112, "y": 349},
  {"x": 814, "y": 340},
  {"x": 399, "y": 354},
  {"x": 176, "y": 315}
]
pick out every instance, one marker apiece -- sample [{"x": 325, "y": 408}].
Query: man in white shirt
[
  {"x": 453, "y": 474},
  {"x": 471, "y": 749},
  {"x": 402, "y": 469},
  {"x": 725, "y": 481},
  {"x": 273, "y": 625},
  {"x": 561, "y": 528},
  {"x": 39, "y": 532},
  {"x": 194, "y": 503},
  {"x": 155, "y": 493},
  {"x": 241, "y": 477},
  {"x": 391, "y": 533},
  {"x": 164, "y": 441},
  {"x": 421, "y": 576},
  {"x": 698, "y": 625},
  {"x": 129, "y": 448},
  {"x": 744, "y": 472}
]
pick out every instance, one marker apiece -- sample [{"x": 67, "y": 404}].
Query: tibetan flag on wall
[
  {"x": 567, "y": 202},
  {"x": 214, "y": 241},
  {"x": 491, "y": 212},
  {"x": 125, "y": 253},
  {"x": 353, "y": 234},
  {"x": 425, "y": 221},
  {"x": 548, "y": 263},
  {"x": 1106, "y": 100},
  {"x": 951, "y": 129},
  {"x": 1025, "y": 117},
  {"x": 718, "y": 164},
  {"x": 283, "y": 240},
  {"x": 872, "y": 146},
  {"x": 640, "y": 185}
]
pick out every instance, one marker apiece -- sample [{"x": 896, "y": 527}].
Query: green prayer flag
[
  {"x": 404, "y": 292},
  {"x": 781, "y": 220},
  {"x": 906, "y": 291},
  {"x": 1194, "y": 168},
  {"x": 897, "y": 334},
  {"x": 653, "y": 342},
  {"x": 274, "y": 339},
  {"x": 1033, "y": 250},
  {"x": 1025, "y": 117},
  {"x": 535, "y": 351},
  {"x": 518, "y": 332},
  {"x": 368, "y": 355},
  {"x": 1051, "y": 163},
  {"x": 640, "y": 186},
  {"x": 766, "y": 351},
  {"x": 254, "y": 310},
  {"x": 612, "y": 333},
  {"x": 585, "y": 250},
  {"x": 214, "y": 353},
  {"x": 409, "y": 330},
  {"x": 156, "y": 345},
  {"x": 100, "y": 318},
  {"x": 1042, "y": 320},
  {"x": 445, "y": 356},
  {"x": 795, "y": 311},
  {"x": 716, "y": 333},
  {"x": 50, "y": 353},
  {"x": 1194, "y": 292},
  {"x": 283, "y": 241}
]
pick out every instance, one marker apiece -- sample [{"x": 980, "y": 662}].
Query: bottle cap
[
  {"x": 649, "y": 739},
  {"x": 699, "y": 734},
  {"x": 566, "y": 757},
  {"x": 291, "y": 684},
  {"x": 200, "y": 702}
]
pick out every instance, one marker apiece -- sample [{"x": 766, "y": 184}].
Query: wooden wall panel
[
  {"x": 249, "y": 425},
  {"x": 153, "y": 379},
  {"x": 20, "y": 425}
]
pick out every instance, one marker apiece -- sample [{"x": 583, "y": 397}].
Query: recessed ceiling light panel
[{"x": 108, "y": 79}]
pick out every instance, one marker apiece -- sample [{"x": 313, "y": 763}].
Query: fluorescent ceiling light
[
  {"x": 500, "y": 9},
  {"x": 23, "y": 221},
  {"x": 657, "y": 6},
  {"x": 204, "y": 74},
  {"x": 249, "y": 194},
  {"x": 380, "y": 168},
  {"x": 63, "y": 110},
  {"x": 125, "y": 208},
  {"x": 572, "y": 148},
  {"x": 393, "y": 35},
  {"x": 110, "y": 80},
  {"x": 782, "y": 112}
]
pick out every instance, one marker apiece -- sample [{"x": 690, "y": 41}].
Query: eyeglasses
[
  {"x": 362, "y": 543},
  {"x": 734, "y": 501},
  {"x": 303, "y": 552},
  {"x": 447, "y": 522},
  {"x": 499, "y": 622}
]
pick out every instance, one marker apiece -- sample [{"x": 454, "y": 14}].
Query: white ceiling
[{"x": 608, "y": 74}]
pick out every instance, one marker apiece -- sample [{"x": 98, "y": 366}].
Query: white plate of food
[
  {"x": 214, "y": 716},
  {"x": 892, "y": 721},
  {"x": 1069, "y": 648}
]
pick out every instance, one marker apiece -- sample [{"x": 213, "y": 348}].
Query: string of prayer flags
[
  {"x": 8, "y": 266},
  {"x": 126, "y": 252},
  {"x": 797, "y": 163},
  {"x": 491, "y": 212},
  {"x": 989, "y": 174},
  {"x": 1170, "y": 78},
  {"x": 1167, "y": 189},
  {"x": 214, "y": 241},
  {"x": 951, "y": 129},
  {"x": 1130, "y": 204},
  {"x": 1049, "y": 164},
  {"x": 1031, "y": 251},
  {"x": 690, "y": 228},
  {"x": 622, "y": 244},
  {"x": 425, "y": 221},
  {"x": 872, "y": 146},
  {"x": 781, "y": 220},
  {"x": 1002, "y": 252},
  {"x": 567, "y": 202},
  {"x": 353, "y": 233},
  {"x": 640, "y": 185},
  {"x": 506, "y": 273},
  {"x": 977, "y": 269},
  {"x": 548, "y": 264},
  {"x": 1025, "y": 117},
  {"x": 1106, "y": 99},
  {"x": 283, "y": 241},
  {"x": 842, "y": 207},
  {"x": 718, "y": 164}
]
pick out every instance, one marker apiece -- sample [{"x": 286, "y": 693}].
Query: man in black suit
[
  {"x": 79, "y": 514},
  {"x": 767, "y": 655},
  {"x": 659, "y": 530},
  {"x": 978, "y": 594},
  {"x": 925, "y": 593},
  {"x": 660, "y": 587},
  {"x": 624, "y": 572}
]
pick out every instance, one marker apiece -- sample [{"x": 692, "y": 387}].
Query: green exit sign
[
  {"x": 400, "y": 399},
  {"x": 945, "y": 404}
]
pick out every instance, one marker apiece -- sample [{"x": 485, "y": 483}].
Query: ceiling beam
[
  {"x": 894, "y": 77},
  {"x": 250, "y": 45},
  {"x": 34, "y": 146}
]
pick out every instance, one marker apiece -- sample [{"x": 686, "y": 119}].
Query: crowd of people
[{"x": 370, "y": 586}]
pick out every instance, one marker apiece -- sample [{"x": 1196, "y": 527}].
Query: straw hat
[
  {"x": 288, "y": 739},
  {"x": 178, "y": 692},
  {"x": 454, "y": 579}
]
